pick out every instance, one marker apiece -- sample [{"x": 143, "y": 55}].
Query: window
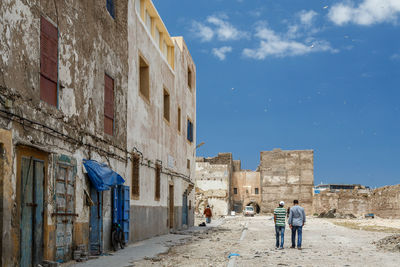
[
  {"x": 166, "y": 105},
  {"x": 158, "y": 182},
  {"x": 137, "y": 5},
  {"x": 148, "y": 21},
  {"x": 144, "y": 81},
  {"x": 179, "y": 119},
  {"x": 188, "y": 164},
  {"x": 190, "y": 204},
  {"x": 256, "y": 190},
  {"x": 189, "y": 131},
  {"x": 111, "y": 8},
  {"x": 108, "y": 105},
  {"x": 135, "y": 176},
  {"x": 190, "y": 78},
  {"x": 165, "y": 50},
  {"x": 235, "y": 191},
  {"x": 157, "y": 37},
  {"x": 48, "y": 62}
]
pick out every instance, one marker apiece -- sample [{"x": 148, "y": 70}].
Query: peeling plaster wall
[
  {"x": 287, "y": 175},
  {"x": 150, "y": 133},
  {"x": 91, "y": 43},
  {"x": 212, "y": 187}
]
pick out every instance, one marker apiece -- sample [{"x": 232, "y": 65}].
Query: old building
[
  {"x": 213, "y": 184},
  {"x": 246, "y": 188},
  {"x": 281, "y": 175},
  {"x": 91, "y": 80},
  {"x": 161, "y": 124},
  {"x": 287, "y": 175}
]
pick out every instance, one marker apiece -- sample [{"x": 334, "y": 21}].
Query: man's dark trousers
[{"x": 299, "y": 230}]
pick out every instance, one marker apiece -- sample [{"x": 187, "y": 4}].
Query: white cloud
[
  {"x": 307, "y": 17},
  {"x": 203, "y": 32},
  {"x": 368, "y": 12},
  {"x": 395, "y": 57},
  {"x": 273, "y": 44},
  {"x": 221, "y": 52},
  {"x": 219, "y": 27}
]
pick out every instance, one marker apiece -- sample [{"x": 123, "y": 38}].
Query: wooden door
[
  {"x": 185, "y": 209},
  {"x": 65, "y": 211},
  {"x": 171, "y": 206},
  {"x": 96, "y": 219},
  {"x": 32, "y": 181}
]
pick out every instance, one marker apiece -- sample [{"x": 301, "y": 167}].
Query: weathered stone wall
[
  {"x": 287, "y": 175},
  {"x": 90, "y": 44},
  {"x": 383, "y": 202},
  {"x": 345, "y": 202}
]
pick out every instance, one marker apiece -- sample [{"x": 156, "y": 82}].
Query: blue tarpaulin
[{"x": 101, "y": 176}]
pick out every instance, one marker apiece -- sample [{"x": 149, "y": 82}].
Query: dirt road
[{"x": 324, "y": 244}]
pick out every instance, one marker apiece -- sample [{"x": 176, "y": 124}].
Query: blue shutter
[{"x": 114, "y": 193}]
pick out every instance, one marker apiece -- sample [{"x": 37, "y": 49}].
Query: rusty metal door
[
  {"x": 65, "y": 211},
  {"x": 32, "y": 180}
]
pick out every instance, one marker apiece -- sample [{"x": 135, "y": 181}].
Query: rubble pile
[
  {"x": 389, "y": 243},
  {"x": 333, "y": 214}
]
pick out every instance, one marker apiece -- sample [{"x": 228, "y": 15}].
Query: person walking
[
  {"x": 208, "y": 213},
  {"x": 297, "y": 218},
  {"x": 279, "y": 219}
]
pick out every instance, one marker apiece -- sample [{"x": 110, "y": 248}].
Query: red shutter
[
  {"x": 108, "y": 104},
  {"x": 48, "y": 62}
]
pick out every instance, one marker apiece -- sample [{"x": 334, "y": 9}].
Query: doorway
[
  {"x": 31, "y": 179},
  {"x": 171, "y": 207},
  {"x": 96, "y": 222},
  {"x": 185, "y": 211}
]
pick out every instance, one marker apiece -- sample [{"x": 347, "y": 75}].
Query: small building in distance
[{"x": 282, "y": 175}]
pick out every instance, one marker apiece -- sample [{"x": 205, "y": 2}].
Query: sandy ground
[{"x": 324, "y": 244}]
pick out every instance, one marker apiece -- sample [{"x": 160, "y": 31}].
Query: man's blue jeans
[
  {"x": 299, "y": 230},
  {"x": 208, "y": 219},
  {"x": 279, "y": 231}
]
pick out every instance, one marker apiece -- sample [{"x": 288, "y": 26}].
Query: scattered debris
[
  {"x": 333, "y": 214},
  {"x": 389, "y": 243}
]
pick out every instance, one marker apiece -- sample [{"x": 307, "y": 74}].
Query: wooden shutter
[
  {"x": 108, "y": 105},
  {"x": 48, "y": 62}
]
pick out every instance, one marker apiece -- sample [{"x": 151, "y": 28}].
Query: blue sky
[{"x": 322, "y": 75}]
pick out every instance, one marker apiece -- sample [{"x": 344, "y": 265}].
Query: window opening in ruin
[
  {"x": 235, "y": 191},
  {"x": 48, "y": 62},
  {"x": 179, "y": 119},
  {"x": 166, "y": 105},
  {"x": 158, "y": 182},
  {"x": 135, "y": 176},
  {"x": 256, "y": 190},
  {"x": 189, "y": 130},
  {"x": 111, "y": 8},
  {"x": 189, "y": 78},
  {"x": 108, "y": 105},
  {"x": 144, "y": 79},
  {"x": 188, "y": 164}
]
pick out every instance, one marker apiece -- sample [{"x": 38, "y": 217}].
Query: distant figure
[
  {"x": 279, "y": 219},
  {"x": 297, "y": 218},
  {"x": 208, "y": 213},
  {"x": 288, "y": 212}
]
